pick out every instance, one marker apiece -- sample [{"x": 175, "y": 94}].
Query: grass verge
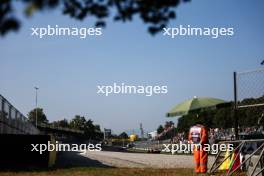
[{"x": 86, "y": 171}]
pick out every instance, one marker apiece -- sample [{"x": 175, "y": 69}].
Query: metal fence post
[{"x": 235, "y": 106}]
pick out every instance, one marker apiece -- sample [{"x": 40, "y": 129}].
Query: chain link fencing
[{"x": 249, "y": 99}]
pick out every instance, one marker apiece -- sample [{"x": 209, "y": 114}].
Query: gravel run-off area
[{"x": 143, "y": 160}]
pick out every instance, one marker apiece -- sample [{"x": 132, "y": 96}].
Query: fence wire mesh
[
  {"x": 250, "y": 88},
  {"x": 250, "y": 96}
]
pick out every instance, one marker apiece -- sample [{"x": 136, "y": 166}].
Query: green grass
[{"x": 85, "y": 171}]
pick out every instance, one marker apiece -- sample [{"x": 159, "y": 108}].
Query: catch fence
[{"x": 13, "y": 121}]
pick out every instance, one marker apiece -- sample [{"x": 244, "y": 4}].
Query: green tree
[
  {"x": 41, "y": 117},
  {"x": 155, "y": 14},
  {"x": 97, "y": 127},
  {"x": 185, "y": 122},
  {"x": 61, "y": 123},
  {"x": 168, "y": 124},
  {"x": 123, "y": 135},
  {"x": 91, "y": 131},
  {"x": 160, "y": 129},
  {"x": 223, "y": 118},
  {"x": 78, "y": 122}
]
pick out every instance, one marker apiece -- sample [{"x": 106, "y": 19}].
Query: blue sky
[{"x": 67, "y": 70}]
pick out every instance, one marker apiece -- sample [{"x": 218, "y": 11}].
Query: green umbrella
[{"x": 194, "y": 104}]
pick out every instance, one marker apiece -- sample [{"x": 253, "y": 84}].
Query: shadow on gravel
[
  {"x": 75, "y": 159},
  {"x": 113, "y": 149},
  {"x": 64, "y": 160}
]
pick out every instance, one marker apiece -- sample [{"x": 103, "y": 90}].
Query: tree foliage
[
  {"x": 154, "y": 13},
  {"x": 61, "y": 123},
  {"x": 41, "y": 117},
  {"x": 168, "y": 124},
  {"x": 78, "y": 122},
  {"x": 123, "y": 135},
  {"x": 224, "y": 117},
  {"x": 167, "y": 131},
  {"x": 160, "y": 129},
  {"x": 91, "y": 131}
]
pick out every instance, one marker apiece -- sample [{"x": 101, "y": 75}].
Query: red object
[{"x": 236, "y": 161}]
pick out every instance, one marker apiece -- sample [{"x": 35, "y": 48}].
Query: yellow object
[
  {"x": 232, "y": 160},
  {"x": 225, "y": 165},
  {"x": 133, "y": 137}
]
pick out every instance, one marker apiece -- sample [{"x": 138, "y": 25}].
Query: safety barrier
[
  {"x": 156, "y": 145},
  {"x": 17, "y": 151},
  {"x": 48, "y": 127},
  {"x": 12, "y": 121}
]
